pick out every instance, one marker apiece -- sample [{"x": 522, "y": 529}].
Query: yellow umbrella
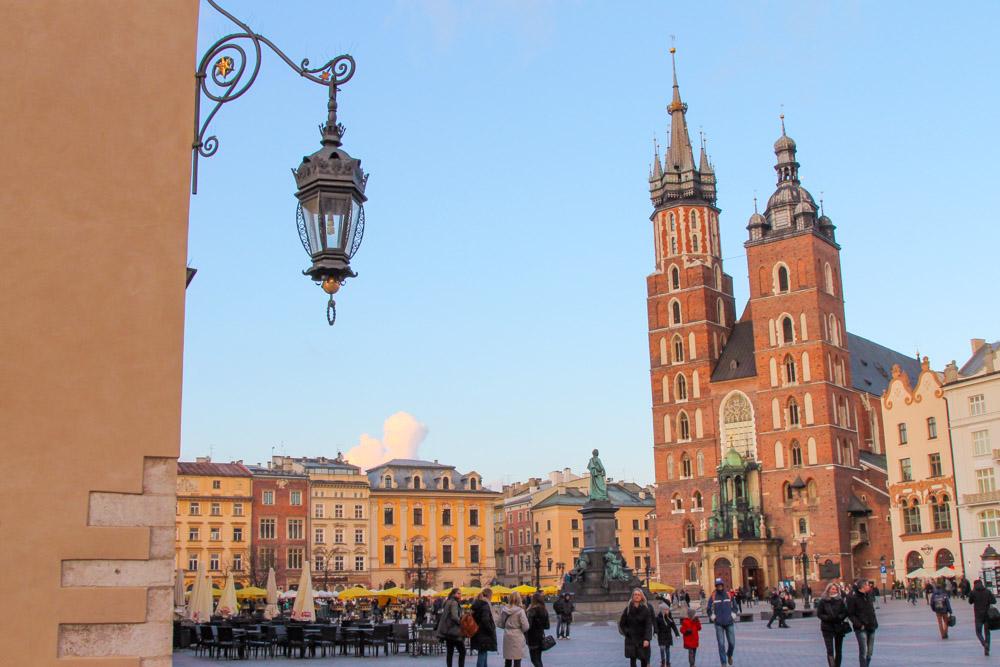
[
  {"x": 551, "y": 589},
  {"x": 500, "y": 591},
  {"x": 304, "y": 608},
  {"x": 200, "y": 603},
  {"x": 354, "y": 593},
  {"x": 394, "y": 594},
  {"x": 250, "y": 592},
  {"x": 467, "y": 592},
  {"x": 524, "y": 589},
  {"x": 271, "y": 610},
  {"x": 657, "y": 587},
  {"x": 439, "y": 594},
  {"x": 227, "y": 601}
]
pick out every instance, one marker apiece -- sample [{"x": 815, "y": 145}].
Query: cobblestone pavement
[{"x": 907, "y": 636}]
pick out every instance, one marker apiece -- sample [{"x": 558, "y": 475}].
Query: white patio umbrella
[
  {"x": 920, "y": 573},
  {"x": 288, "y": 595},
  {"x": 227, "y": 601},
  {"x": 304, "y": 609},
  {"x": 271, "y": 610},
  {"x": 200, "y": 603},
  {"x": 179, "y": 589}
]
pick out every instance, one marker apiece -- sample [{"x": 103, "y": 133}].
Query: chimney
[
  {"x": 951, "y": 372},
  {"x": 976, "y": 344},
  {"x": 203, "y": 459},
  {"x": 990, "y": 361}
]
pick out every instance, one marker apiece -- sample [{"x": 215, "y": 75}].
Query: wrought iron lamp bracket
[{"x": 230, "y": 67}]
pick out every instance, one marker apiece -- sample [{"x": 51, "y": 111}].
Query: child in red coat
[{"x": 690, "y": 629}]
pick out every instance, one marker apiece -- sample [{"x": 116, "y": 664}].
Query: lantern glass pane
[
  {"x": 335, "y": 212},
  {"x": 310, "y": 211}
]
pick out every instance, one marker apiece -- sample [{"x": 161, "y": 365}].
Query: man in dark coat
[
  {"x": 777, "y": 610},
  {"x": 421, "y": 611},
  {"x": 485, "y": 639},
  {"x": 861, "y": 612},
  {"x": 564, "y": 609},
  {"x": 636, "y": 625},
  {"x": 981, "y": 598}
]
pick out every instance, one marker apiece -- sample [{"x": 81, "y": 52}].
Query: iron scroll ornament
[{"x": 230, "y": 67}]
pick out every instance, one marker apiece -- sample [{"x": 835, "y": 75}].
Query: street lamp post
[
  {"x": 418, "y": 560},
  {"x": 330, "y": 183},
  {"x": 805, "y": 571},
  {"x": 537, "y": 547},
  {"x": 646, "y": 559},
  {"x": 882, "y": 577}
]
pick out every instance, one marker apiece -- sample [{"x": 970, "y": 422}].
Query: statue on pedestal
[
  {"x": 598, "y": 479},
  {"x": 579, "y": 568},
  {"x": 614, "y": 568}
]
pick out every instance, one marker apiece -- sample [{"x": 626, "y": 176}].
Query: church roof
[
  {"x": 871, "y": 364},
  {"x": 737, "y": 359}
]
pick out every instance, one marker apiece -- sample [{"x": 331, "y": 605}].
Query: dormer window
[
  {"x": 473, "y": 483},
  {"x": 416, "y": 482},
  {"x": 387, "y": 482},
  {"x": 445, "y": 483}
]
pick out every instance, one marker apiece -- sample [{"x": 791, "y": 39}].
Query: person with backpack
[
  {"x": 538, "y": 623},
  {"x": 720, "y": 611},
  {"x": 666, "y": 630},
  {"x": 832, "y": 613},
  {"x": 777, "y": 610},
  {"x": 982, "y": 600},
  {"x": 690, "y": 630},
  {"x": 449, "y": 628},
  {"x": 484, "y": 638},
  {"x": 861, "y": 612},
  {"x": 941, "y": 606},
  {"x": 514, "y": 623},
  {"x": 636, "y": 625}
]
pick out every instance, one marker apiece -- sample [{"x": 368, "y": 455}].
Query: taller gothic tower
[{"x": 691, "y": 312}]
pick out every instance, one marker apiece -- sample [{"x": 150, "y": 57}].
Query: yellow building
[
  {"x": 214, "y": 508},
  {"x": 339, "y": 523},
  {"x": 559, "y": 526},
  {"x": 429, "y": 518}
]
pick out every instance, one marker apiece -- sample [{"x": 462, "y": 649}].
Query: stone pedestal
[{"x": 598, "y": 540}]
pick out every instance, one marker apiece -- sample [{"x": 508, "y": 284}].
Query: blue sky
[{"x": 501, "y": 295}]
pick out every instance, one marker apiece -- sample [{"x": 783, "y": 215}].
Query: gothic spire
[
  {"x": 704, "y": 166},
  {"x": 657, "y": 170},
  {"x": 680, "y": 157}
]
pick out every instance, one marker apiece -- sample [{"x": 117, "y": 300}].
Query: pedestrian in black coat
[
  {"x": 832, "y": 613},
  {"x": 538, "y": 623},
  {"x": 636, "y": 625},
  {"x": 485, "y": 639},
  {"x": 665, "y": 629},
  {"x": 981, "y": 599},
  {"x": 861, "y": 611}
]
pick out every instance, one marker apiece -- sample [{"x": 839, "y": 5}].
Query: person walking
[
  {"x": 666, "y": 630},
  {"x": 981, "y": 599},
  {"x": 449, "y": 628},
  {"x": 514, "y": 623},
  {"x": 636, "y": 625},
  {"x": 691, "y": 631},
  {"x": 564, "y": 609},
  {"x": 832, "y": 613},
  {"x": 538, "y": 623},
  {"x": 421, "y": 611},
  {"x": 777, "y": 610},
  {"x": 861, "y": 612},
  {"x": 557, "y": 607},
  {"x": 485, "y": 639},
  {"x": 720, "y": 612},
  {"x": 941, "y": 606}
]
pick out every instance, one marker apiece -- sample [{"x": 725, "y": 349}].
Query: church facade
[{"x": 768, "y": 444}]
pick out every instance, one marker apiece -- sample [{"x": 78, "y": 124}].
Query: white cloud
[{"x": 402, "y": 436}]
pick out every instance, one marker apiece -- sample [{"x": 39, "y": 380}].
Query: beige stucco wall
[{"x": 96, "y": 131}]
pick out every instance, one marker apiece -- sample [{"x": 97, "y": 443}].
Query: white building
[{"x": 973, "y": 395}]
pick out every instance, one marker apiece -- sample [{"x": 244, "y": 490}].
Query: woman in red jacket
[{"x": 690, "y": 629}]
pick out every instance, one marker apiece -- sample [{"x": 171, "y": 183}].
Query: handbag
[
  {"x": 548, "y": 641},
  {"x": 951, "y": 620},
  {"x": 844, "y": 629},
  {"x": 993, "y": 618}
]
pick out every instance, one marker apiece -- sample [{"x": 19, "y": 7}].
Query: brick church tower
[{"x": 766, "y": 433}]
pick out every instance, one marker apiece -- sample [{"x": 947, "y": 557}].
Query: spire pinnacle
[
  {"x": 782, "y": 117},
  {"x": 680, "y": 157},
  {"x": 754, "y": 202},
  {"x": 657, "y": 171}
]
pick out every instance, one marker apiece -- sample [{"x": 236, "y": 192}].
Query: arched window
[
  {"x": 675, "y": 278},
  {"x": 989, "y": 523},
  {"x": 944, "y": 558},
  {"x": 681, "y": 393},
  {"x": 696, "y": 500},
  {"x": 720, "y": 311},
  {"x": 416, "y": 482},
  {"x": 678, "y": 350},
  {"x": 782, "y": 279},
  {"x": 811, "y": 490},
  {"x": 670, "y": 466},
  {"x": 677, "y": 503},
  {"x": 685, "y": 465},
  {"x": 914, "y": 561},
  {"x": 796, "y": 454},
  {"x": 473, "y": 483},
  {"x": 787, "y": 331},
  {"x": 689, "y": 536},
  {"x": 692, "y": 572},
  {"x": 675, "y": 312},
  {"x": 700, "y": 461},
  {"x": 940, "y": 512},
  {"x": 790, "y": 376},
  {"x": 694, "y": 219},
  {"x": 828, "y": 275},
  {"x": 673, "y": 223},
  {"x": 387, "y": 482},
  {"x": 911, "y": 518},
  {"x": 803, "y": 526},
  {"x": 793, "y": 412},
  {"x": 673, "y": 245},
  {"x": 694, "y": 243},
  {"x": 684, "y": 431},
  {"x": 718, "y": 278},
  {"x": 445, "y": 482},
  {"x": 788, "y": 492}
]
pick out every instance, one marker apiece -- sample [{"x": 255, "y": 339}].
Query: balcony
[
  {"x": 859, "y": 538},
  {"x": 981, "y": 498}
]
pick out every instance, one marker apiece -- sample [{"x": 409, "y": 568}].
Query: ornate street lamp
[
  {"x": 646, "y": 559},
  {"x": 805, "y": 570},
  {"x": 538, "y": 563},
  {"x": 330, "y": 183}
]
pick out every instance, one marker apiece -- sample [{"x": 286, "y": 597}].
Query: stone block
[
  {"x": 160, "y": 604},
  {"x": 159, "y": 476},
  {"x": 117, "y": 573},
  {"x": 115, "y": 639},
  {"x": 162, "y": 542},
  {"x": 124, "y": 509}
]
